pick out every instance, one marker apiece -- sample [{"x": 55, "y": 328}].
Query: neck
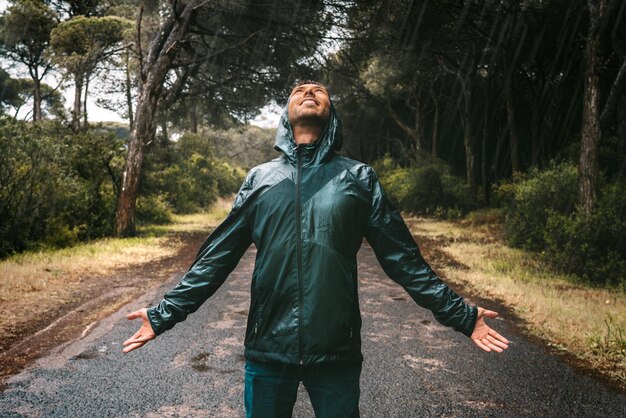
[{"x": 306, "y": 134}]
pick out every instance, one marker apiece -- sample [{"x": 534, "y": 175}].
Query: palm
[
  {"x": 145, "y": 333},
  {"x": 485, "y": 337}
]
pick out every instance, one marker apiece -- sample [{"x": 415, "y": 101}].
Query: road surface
[{"x": 413, "y": 366}]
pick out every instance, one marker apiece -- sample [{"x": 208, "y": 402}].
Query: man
[{"x": 307, "y": 213}]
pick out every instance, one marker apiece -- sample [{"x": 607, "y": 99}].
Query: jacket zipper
[{"x": 299, "y": 251}]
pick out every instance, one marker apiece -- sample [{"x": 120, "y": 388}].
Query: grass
[
  {"x": 584, "y": 321},
  {"x": 45, "y": 280},
  {"x": 197, "y": 222}
]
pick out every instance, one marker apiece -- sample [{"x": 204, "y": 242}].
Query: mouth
[{"x": 308, "y": 99}]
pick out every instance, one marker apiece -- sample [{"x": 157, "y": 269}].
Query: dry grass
[
  {"x": 584, "y": 321},
  {"x": 197, "y": 222},
  {"x": 43, "y": 281},
  {"x": 45, "y": 271}
]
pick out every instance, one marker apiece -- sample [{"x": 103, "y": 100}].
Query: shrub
[
  {"x": 186, "y": 174},
  {"x": 153, "y": 210},
  {"x": 591, "y": 246},
  {"x": 56, "y": 186},
  {"x": 530, "y": 198},
  {"x": 541, "y": 214},
  {"x": 426, "y": 187}
]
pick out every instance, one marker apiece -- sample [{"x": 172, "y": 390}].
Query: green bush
[
  {"x": 530, "y": 198},
  {"x": 592, "y": 246},
  {"x": 153, "y": 210},
  {"x": 186, "y": 174},
  {"x": 541, "y": 214},
  {"x": 427, "y": 187},
  {"x": 56, "y": 186}
]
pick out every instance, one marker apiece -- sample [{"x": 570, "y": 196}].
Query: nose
[{"x": 309, "y": 92}]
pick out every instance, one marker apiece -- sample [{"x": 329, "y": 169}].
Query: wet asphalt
[{"x": 413, "y": 366}]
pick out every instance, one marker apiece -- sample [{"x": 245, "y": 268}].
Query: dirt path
[{"x": 96, "y": 298}]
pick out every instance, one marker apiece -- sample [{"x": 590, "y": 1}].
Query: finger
[
  {"x": 495, "y": 334},
  {"x": 496, "y": 342},
  {"x": 134, "y": 315},
  {"x": 490, "y": 314},
  {"x": 132, "y": 347},
  {"x": 492, "y": 346},
  {"x": 480, "y": 344},
  {"x": 135, "y": 335},
  {"x": 140, "y": 339}
]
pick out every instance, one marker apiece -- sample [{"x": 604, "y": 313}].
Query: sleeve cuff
[
  {"x": 469, "y": 325},
  {"x": 156, "y": 322}
]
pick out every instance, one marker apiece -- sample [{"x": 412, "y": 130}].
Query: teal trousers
[{"x": 271, "y": 389}]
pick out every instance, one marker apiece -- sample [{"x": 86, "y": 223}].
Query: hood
[{"x": 319, "y": 151}]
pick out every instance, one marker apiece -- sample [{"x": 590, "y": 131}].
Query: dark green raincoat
[{"x": 307, "y": 213}]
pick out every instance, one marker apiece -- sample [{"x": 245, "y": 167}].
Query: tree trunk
[
  {"x": 194, "y": 117},
  {"x": 78, "y": 90},
  {"x": 510, "y": 119},
  {"x": 142, "y": 133},
  {"x": 433, "y": 148},
  {"x": 483, "y": 158},
  {"x": 621, "y": 135},
  {"x": 164, "y": 132},
  {"x": 411, "y": 131},
  {"x": 163, "y": 49},
  {"x": 468, "y": 142},
  {"x": 37, "y": 114},
  {"x": 590, "y": 131},
  {"x": 85, "y": 100},
  {"x": 129, "y": 97}
]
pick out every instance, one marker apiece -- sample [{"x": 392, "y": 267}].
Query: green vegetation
[
  {"x": 425, "y": 187},
  {"x": 585, "y": 321},
  {"x": 541, "y": 214},
  {"x": 59, "y": 186},
  {"x": 185, "y": 177},
  {"x": 56, "y": 186}
]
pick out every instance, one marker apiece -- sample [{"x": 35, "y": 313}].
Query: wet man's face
[{"x": 309, "y": 104}]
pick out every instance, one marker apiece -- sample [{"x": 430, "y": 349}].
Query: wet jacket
[{"x": 307, "y": 213}]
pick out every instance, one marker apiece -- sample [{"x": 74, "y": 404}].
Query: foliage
[
  {"x": 427, "y": 187},
  {"x": 187, "y": 175},
  {"x": 247, "y": 145},
  {"x": 541, "y": 214},
  {"x": 82, "y": 42},
  {"x": 529, "y": 199},
  {"x": 10, "y": 91},
  {"x": 592, "y": 246},
  {"x": 25, "y": 37},
  {"x": 153, "y": 209},
  {"x": 56, "y": 187}
]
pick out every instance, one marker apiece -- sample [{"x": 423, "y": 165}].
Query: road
[{"x": 413, "y": 366}]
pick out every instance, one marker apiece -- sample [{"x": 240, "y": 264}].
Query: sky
[{"x": 268, "y": 117}]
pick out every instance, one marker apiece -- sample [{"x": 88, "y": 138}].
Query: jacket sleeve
[
  {"x": 400, "y": 258},
  {"x": 217, "y": 257}
]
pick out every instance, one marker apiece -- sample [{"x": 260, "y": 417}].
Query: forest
[{"x": 512, "y": 110}]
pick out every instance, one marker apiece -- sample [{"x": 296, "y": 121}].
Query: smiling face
[{"x": 309, "y": 104}]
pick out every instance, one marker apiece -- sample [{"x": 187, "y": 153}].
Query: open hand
[
  {"x": 485, "y": 337},
  {"x": 144, "y": 334}
]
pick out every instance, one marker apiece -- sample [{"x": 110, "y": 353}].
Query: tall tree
[
  {"x": 234, "y": 49},
  {"x": 80, "y": 45},
  {"x": 25, "y": 37},
  {"x": 590, "y": 131}
]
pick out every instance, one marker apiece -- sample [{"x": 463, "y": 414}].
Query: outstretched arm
[
  {"x": 400, "y": 258},
  {"x": 217, "y": 257},
  {"x": 144, "y": 334},
  {"x": 485, "y": 337}
]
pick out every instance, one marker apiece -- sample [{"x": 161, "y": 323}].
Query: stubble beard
[{"x": 311, "y": 120}]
